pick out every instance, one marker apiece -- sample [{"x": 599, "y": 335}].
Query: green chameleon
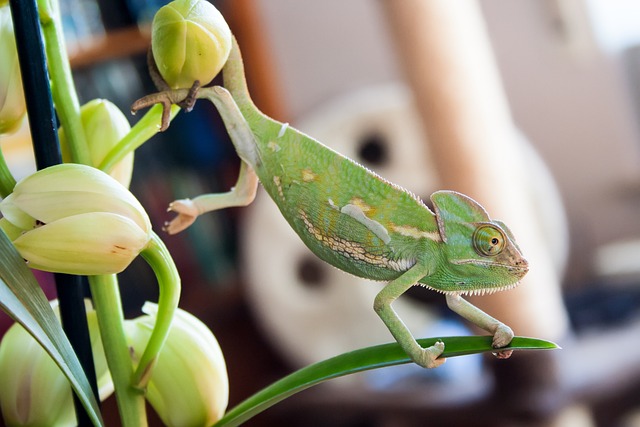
[{"x": 354, "y": 219}]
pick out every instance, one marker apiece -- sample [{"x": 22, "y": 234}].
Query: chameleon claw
[
  {"x": 190, "y": 100},
  {"x": 187, "y": 214}
]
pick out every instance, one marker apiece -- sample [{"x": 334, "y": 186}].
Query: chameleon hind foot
[{"x": 184, "y": 98}]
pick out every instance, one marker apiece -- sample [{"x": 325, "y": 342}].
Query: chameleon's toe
[
  {"x": 504, "y": 354},
  {"x": 150, "y": 100},
  {"x": 187, "y": 214}
]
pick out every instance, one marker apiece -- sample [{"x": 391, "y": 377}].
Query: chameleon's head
[{"x": 481, "y": 255}]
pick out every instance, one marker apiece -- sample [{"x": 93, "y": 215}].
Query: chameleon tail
[{"x": 236, "y": 83}]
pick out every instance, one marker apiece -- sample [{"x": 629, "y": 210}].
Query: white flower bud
[
  {"x": 75, "y": 219},
  {"x": 189, "y": 384},
  {"x": 104, "y": 126},
  {"x": 190, "y": 41}
]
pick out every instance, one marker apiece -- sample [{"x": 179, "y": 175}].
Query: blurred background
[{"x": 562, "y": 79}]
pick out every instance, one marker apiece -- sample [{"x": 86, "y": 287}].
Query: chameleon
[{"x": 355, "y": 220}]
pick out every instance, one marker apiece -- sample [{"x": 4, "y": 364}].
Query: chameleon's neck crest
[{"x": 235, "y": 82}]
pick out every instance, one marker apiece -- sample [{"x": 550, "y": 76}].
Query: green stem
[
  {"x": 146, "y": 127},
  {"x": 159, "y": 258},
  {"x": 106, "y": 299},
  {"x": 7, "y": 181},
  {"x": 63, "y": 90}
]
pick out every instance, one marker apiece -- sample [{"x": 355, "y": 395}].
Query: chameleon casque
[{"x": 354, "y": 219}]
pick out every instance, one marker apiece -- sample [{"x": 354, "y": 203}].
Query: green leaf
[
  {"x": 362, "y": 360},
  {"x": 22, "y": 298}
]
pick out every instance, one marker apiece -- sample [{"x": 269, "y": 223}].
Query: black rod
[{"x": 46, "y": 147}]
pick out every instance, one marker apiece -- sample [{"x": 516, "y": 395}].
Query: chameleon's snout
[{"x": 521, "y": 266}]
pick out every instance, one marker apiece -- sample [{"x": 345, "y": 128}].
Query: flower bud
[
  {"x": 75, "y": 219},
  {"x": 104, "y": 126},
  {"x": 190, "y": 41},
  {"x": 34, "y": 389},
  {"x": 12, "y": 104},
  {"x": 189, "y": 384}
]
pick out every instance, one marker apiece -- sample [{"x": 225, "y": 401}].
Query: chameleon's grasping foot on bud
[
  {"x": 184, "y": 98},
  {"x": 164, "y": 98}
]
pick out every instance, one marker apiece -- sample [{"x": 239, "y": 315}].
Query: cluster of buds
[
  {"x": 189, "y": 385},
  {"x": 75, "y": 219},
  {"x": 35, "y": 392}
]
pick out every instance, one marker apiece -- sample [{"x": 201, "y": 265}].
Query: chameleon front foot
[
  {"x": 501, "y": 338},
  {"x": 187, "y": 213},
  {"x": 428, "y": 357}
]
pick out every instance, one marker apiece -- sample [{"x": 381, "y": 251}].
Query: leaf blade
[{"x": 361, "y": 360}]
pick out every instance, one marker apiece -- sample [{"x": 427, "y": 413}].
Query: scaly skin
[{"x": 357, "y": 221}]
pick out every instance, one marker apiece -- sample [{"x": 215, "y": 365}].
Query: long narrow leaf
[
  {"x": 22, "y": 298},
  {"x": 358, "y": 361}
]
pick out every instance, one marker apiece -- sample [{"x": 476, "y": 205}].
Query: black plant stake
[{"x": 35, "y": 80}]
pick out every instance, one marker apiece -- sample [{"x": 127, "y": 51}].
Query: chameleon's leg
[
  {"x": 425, "y": 357},
  {"x": 188, "y": 210},
  {"x": 244, "y": 191},
  {"x": 502, "y": 334}
]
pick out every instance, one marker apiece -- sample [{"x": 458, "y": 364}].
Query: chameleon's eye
[{"x": 488, "y": 240}]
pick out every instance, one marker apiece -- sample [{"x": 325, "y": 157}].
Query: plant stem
[
  {"x": 146, "y": 127},
  {"x": 159, "y": 258},
  {"x": 63, "y": 90},
  {"x": 106, "y": 298}
]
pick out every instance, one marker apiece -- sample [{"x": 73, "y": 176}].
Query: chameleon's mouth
[{"x": 474, "y": 292}]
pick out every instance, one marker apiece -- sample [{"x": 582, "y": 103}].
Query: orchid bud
[
  {"x": 34, "y": 390},
  {"x": 104, "y": 126},
  {"x": 189, "y": 384},
  {"x": 12, "y": 104},
  {"x": 75, "y": 219},
  {"x": 190, "y": 41}
]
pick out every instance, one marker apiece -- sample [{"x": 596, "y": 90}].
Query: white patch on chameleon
[
  {"x": 375, "y": 227},
  {"x": 409, "y": 231},
  {"x": 283, "y": 129},
  {"x": 276, "y": 181}
]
